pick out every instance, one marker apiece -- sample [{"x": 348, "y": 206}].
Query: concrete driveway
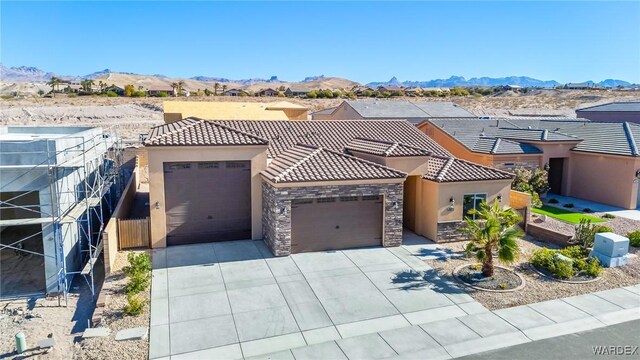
[{"x": 234, "y": 299}]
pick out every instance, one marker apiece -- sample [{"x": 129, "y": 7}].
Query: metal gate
[{"x": 133, "y": 233}]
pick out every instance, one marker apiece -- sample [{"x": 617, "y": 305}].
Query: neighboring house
[
  {"x": 389, "y": 88},
  {"x": 360, "y": 90},
  {"x": 116, "y": 89},
  {"x": 615, "y": 112},
  {"x": 414, "y": 91},
  {"x": 296, "y": 91},
  {"x": 323, "y": 114},
  {"x": 268, "y": 92},
  {"x": 308, "y": 185},
  {"x": 414, "y": 112},
  {"x": 589, "y": 160},
  {"x": 579, "y": 86},
  {"x": 235, "y": 92},
  {"x": 156, "y": 90},
  {"x": 223, "y": 110}
]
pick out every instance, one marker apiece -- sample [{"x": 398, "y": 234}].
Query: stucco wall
[
  {"x": 606, "y": 179},
  {"x": 276, "y": 212},
  {"x": 157, "y": 156},
  {"x": 611, "y": 116},
  {"x": 121, "y": 211}
]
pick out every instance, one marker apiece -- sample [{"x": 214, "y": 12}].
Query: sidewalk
[{"x": 479, "y": 332}]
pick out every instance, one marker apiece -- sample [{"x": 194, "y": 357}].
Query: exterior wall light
[
  {"x": 283, "y": 210},
  {"x": 452, "y": 203},
  {"x": 157, "y": 204},
  {"x": 500, "y": 198}
]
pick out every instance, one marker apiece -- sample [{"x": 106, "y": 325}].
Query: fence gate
[{"x": 133, "y": 233}]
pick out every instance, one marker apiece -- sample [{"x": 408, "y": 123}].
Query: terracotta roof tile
[
  {"x": 384, "y": 148},
  {"x": 197, "y": 132},
  {"x": 303, "y": 163},
  {"x": 449, "y": 169}
]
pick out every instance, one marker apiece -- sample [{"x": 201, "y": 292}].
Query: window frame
[{"x": 474, "y": 198}]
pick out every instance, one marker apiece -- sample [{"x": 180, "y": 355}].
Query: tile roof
[
  {"x": 443, "y": 169},
  {"x": 334, "y": 135},
  {"x": 616, "y": 138},
  {"x": 324, "y": 111},
  {"x": 197, "y": 132},
  {"x": 384, "y": 148},
  {"x": 633, "y": 106},
  {"x": 534, "y": 135},
  {"x": 303, "y": 163},
  {"x": 415, "y": 112}
]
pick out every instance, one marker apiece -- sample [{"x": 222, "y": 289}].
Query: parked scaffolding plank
[{"x": 27, "y": 221}]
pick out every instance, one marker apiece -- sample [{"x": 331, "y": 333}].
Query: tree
[
  {"x": 180, "y": 87},
  {"x": 129, "y": 90},
  {"x": 40, "y": 92},
  {"x": 493, "y": 231},
  {"x": 55, "y": 84},
  {"x": 101, "y": 85},
  {"x": 216, "y": 86},
  {"x": 174, "y": 86},
  {"x": 224, "y": 87}
]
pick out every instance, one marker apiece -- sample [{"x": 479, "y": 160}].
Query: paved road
[{"x": 573, "y": 346}]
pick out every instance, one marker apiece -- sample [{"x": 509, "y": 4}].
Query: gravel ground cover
[
  {"x": 501, "y": 280},
  {"x": 538, "y": 287},
  {"x": 116, "y": 320}
]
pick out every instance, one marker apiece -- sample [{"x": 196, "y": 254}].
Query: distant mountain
[
  {"x": 97, "y": 74},
  {"x": 523, "y": 81},
  {"x": 613, "y": 83},
  {"x": 244, "y": 82},
  {"x": 24, "y": 74}
]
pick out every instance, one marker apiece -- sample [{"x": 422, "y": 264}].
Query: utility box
[{"x": 611, "y": 249}]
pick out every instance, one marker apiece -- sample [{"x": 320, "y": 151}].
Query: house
[
  {"x": 596, "y": 161},
  {"x": 413, "y": 91},
  {"x": 156, "y": 90},
  {"x": 412, "y": 111},
  {"x": 615, "y": 111},
  {"x": 55, "y": 182},
  {"x": 389, "y": 88},
  {"x": 308, "y": 185},
  {"x": 235, "y": 92},
  {"x": 116, "y": 89},
  {"x": 227, "y": 110},
  {"x": 580, "y": 86},
  {"x": 324, "y": 114},
  {"x": 362, "y": 91},
  {"x": 268, "y": 92},
  {"x": 296, "y": 91}
]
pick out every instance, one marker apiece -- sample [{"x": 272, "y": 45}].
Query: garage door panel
[
  {"x": 207, "y": 201},
  {"x": 336, "y": 223}
]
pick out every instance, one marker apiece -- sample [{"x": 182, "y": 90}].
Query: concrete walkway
[
  {"x": 597, "y": 207},
  {"x": 233, "y": 300}
]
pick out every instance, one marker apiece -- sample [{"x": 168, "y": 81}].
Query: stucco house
[
  {"x": 295, "y": 91},
  {"x": 615, "y": 111},
  {"x": 268, "y": 92},
  {"x": 324, "y": 114},
  {"x": 412, "y": 111},
  {"x": 590, "y": 160},
  {"x": 309, "y": 185},
  {"x": 228, "y": 110}
]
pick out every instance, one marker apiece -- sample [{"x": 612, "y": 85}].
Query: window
[
  {"x": 472, "y": 201},
  {"x": 232, "y": 164},
  {"x": 208, "y": 165},
  {"x": 325, "y": 200},
  {"x": 348, "y": 198},
  {"x": 178, "y": 166},
  {"x": 371, "y": 197},
  {"x": 301, "y": 201}
]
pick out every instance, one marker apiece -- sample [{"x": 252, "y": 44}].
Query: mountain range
[{"x": 33, "y": 74}]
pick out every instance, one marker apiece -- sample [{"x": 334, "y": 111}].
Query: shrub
[
  {"x": 593, "y": 267},
  {"x": 7, "y": 97},
  {"x": 608, "y": 216},
  {"x": 603, "y": 228},
  {"x": 140, "y": 263},
  {"x": 587, "y": 210},
  {"x": 542, "y": 257},
  {"x": 138, "y": 93},
  {"x": 574, "y": 252},
  {"x": 111, "y": 94},
  {"x": 72, "y": 95},
  {"x": 135, "y": 306},
  {"x": 162, "y": 94},
  {"x": 547, "y": 259},
  {"x": 634, "y": 238},
  {"x": 585, "y": 233},
  {"x": 553, "y": 201},
  {"x": 561, "y": 269},
  {"x": 137, "y": 283},
  {"x": 569, "y": 205}
]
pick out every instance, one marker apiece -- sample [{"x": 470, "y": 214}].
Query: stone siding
[
  {"x": 450, "y": 231},
  {"x": 276, "y": 210}
]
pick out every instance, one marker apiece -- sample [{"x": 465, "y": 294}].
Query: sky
[{"x": 364, "y": 41}]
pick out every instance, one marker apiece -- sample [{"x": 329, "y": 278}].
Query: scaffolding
[{"x": 84, "y": 182}]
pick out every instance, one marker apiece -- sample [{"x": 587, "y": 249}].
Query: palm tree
[
  {"x": 174, "y": 86},
  {"x": 180, "y": 86},
  {"x": 493, "y": 231},
  {"x": 101, "y": 85},
  {"x": 224, "y": 88},
  {"x": 216, "y": 86},
  {"x": 54, "y": 83}
]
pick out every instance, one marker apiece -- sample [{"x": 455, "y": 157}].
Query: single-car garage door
[
  {"x": 335, "y": 223},
  {"x": 207, "y": 201}
]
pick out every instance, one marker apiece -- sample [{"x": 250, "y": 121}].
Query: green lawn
[{"x": 565, "y": 215}]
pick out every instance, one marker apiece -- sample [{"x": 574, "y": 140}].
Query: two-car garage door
[
  {"x": 336, "y": 223},
  {"x": 207, "y": 201}
]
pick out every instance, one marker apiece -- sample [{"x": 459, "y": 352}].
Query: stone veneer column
[{"x": 276, "y": 210}]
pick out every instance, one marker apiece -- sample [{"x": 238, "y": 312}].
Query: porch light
[
  {"x": 452, "y": 203},
  {"x": 283, "y": 210},
  {"x": 157, "y": 204},
  {"x": 500, "y": 198}
]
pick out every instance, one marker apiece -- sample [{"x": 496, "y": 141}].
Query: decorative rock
[
  {"x": 563, "y": 258},
  {"x": 132, "y": 334},
  {"x": 46, "y": 343},
  {"x": 96, "y": 332}
]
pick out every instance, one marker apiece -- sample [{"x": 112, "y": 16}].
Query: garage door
[
  {"x": 336, "y": 223},
  {"x": 207, "y": 201}
]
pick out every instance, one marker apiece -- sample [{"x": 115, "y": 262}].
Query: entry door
[
  {"x": 207, "y": 201},
  {"x": 556, "y": 166},
  {"x": 336, "y": 223}
]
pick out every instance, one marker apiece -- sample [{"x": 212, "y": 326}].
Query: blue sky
[{"x": 362, "y": 41}]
